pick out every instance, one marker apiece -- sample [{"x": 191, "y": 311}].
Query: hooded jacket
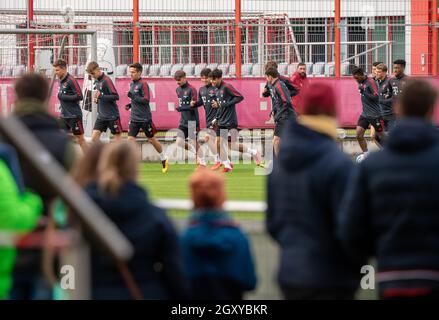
[
  {"x": 156, "y": 265},
  {"x": 391, "y": 208},
  {"x": 304, "y": 192}
]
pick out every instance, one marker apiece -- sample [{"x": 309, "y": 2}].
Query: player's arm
[
  {"x": 266, "y": 92},
  {"x": 371, "y": 92},
  {"x": 199, "y": 102},
  {"x": 237, "y": 97},
  {"x": 388, "y": 94},
  {"x": 111, "y": 91},
  {"x": 77, "y": 93}
]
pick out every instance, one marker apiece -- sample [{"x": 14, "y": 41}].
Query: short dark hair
[
  {"x": 270, "y": 64},
  {"x": 179, "y": 74},
  {"x": 357, "y": 71},
  {"x": 382, "y": 67},
  {"x": 376, "y": 63},
  {"x": 136, "y": 66},
  {"x": 272, "y": 72},
  {"x": 32, "y": 86},
  {"x": 301, "y": 64},
  {"x": 400, "y": 62},
  {"x": 216, "y": 74},
  {"x": 92, "y": 66},
  {"x": 417, "y": 99},
  {"x": 205, "y": 72},
  {"x": 60, "y": 63}
]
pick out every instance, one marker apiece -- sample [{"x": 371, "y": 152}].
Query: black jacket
[
  {"x": 304, "y": 192},
  {"x": 280, "y": 100},
  {"x": 227, "y": 97},
  {"x": 369, "y": 99},
  {"x": 185, "y": 94},
  {"x": 69, "y": 95},
  {"x": 206, "y": 95},
  {"x": 107, "y": 106},
  {"x": 139, "y": 95},
  {"x": 391, "y": 209},
  {"x": 156, "y": 265}
]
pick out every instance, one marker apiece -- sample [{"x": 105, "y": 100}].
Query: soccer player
[
  {"x": 371, "y": 114},
  {"x": 141, "y": 118},
  {"x": 287, "y": 81},
  {"x": 385, "y": 100},
  {"x": 189, "y": 124},
  {"x": 281, "y": 105},
  {"x": 299, "y": 81},
  {"x": 206, "y": 95},
  {"x": 105, "y": 95},
  {"x": 397, "y": 82},
  {"x": 226, "y": 99},
  {"x": 69, "y": 95}
]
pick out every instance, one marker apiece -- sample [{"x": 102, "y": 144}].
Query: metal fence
[{"x": 239, "y": 36}]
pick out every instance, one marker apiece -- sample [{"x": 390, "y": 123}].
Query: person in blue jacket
[
  {"x": 216, "y": 254},
  {"x": 156, "y": 266}
]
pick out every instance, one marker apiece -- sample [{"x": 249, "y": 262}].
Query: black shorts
[
  {"x": 377, "y": 123},
  {"x": 73, "y": 124},
  {"x": 232, "y": 131},
  {"x": 183, "y": 132},
  {"x": 147, "y": 127},
  {"x": 115, "y": 126},
  {"x": 279, "y": 126}
]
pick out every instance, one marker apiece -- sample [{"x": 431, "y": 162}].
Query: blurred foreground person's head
[
  {"x": 207, "y": 190},
  {"x": 86, "y": 169},
  {"x": 319, "y": 99},
  {"x": 32, "y": 86},
  {"x": 118, "y": 164},
  {"x": 417, "y": 100}
]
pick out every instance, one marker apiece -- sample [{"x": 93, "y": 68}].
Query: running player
[
  {"x": 141, "y": 118},
  {"x": 281, "y": 105},
  {"x": 371, "y": 114},
  {"x": 226, "y": 99},
  {"x": 385, "y": 97},
  {"x": 105, "y": 95},
  {"x": 189, "y": 124},
  {"x": 69, "y": 95},
  {"x": 206, "y": 95}
]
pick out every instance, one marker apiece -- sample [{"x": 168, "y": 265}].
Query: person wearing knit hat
[
  {"x": 216, "y": 253},
  {"x": 305, "y": 189}
]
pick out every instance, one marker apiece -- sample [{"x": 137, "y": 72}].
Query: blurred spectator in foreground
[
  {"x": 32, "y": 91},
  {"x": 304, "y": 192},
  {"x": 19, "y": 212},
  {"x": 391, "y": 207},
  {"x": 216, "y": 253},
  {"x": 86, "y": 169},
  {"x": 156, "y": 265}
]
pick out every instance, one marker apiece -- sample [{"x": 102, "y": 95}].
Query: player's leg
[
  {"x": 150, "y": 130},
  {"x": 96, "y": 134},
  {"x": 242, "y": 148},
  {"x": 276, "y": 145},
  {"x": 116, "y": 129},
  {"x": 362, "y": 125},
  {"x": 99, "y": 127},
  {"x": 78, "y": 132},
  {"x": 133, "y": 131},
  {"x": 218, "y": 161},
  {"x": 224, "y": 146},
  {"x": 378, "y": 125}
]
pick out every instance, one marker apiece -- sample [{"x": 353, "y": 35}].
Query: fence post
[
  {"x": 238, "y": 38},
  {"x": 434, "y": 42},
  {"x": 31, "y": 37},
  {"x": 337, "y": 49},
  {"x": 136, "y": 41}
]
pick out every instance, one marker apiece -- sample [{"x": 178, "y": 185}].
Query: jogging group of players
[{"x": 219, "y": 100}]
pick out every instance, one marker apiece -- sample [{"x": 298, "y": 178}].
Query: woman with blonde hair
[{"x": 155, "y": 266}]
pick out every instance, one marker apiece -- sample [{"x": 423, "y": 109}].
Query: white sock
[
  {"x": 226, "y": 164},
  {"x": 202, "y": 161},
  {"x": 162, "y": 156},
  {"x": 192, "y": 148},
  {"x": 217, "y": 158},
  {"x": 251, "y": 151}
]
